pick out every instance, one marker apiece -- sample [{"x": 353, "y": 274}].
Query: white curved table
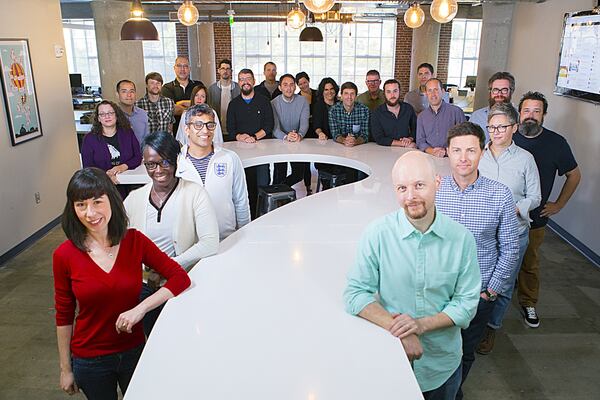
[{"x": 265, "y": 317}]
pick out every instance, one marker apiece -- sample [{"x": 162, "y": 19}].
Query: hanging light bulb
[
  {"x": 414, "y": 16},
  {"x": 443, "y": 10},
  {"x": 137, "y": 27},
  {"x": 318, "y": 6},
  {"x": 188, "y": 13},
  {"x": 296, "y": 18}
]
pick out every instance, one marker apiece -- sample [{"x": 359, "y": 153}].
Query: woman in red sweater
[{"x": 98, "y": 272}]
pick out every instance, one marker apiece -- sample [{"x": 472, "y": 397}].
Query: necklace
[
  {"x": 106, "y": 250},
  {"x": 160, "y": 198}
]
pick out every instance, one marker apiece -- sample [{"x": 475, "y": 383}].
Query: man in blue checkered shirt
[
  {"x": 487, "y": 209},
  {"x": 348, "y": 119}
]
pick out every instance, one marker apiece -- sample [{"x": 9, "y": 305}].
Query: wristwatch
[{"x": 491, "y": 297}]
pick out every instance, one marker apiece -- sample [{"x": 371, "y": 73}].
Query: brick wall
[
  {"x": 181, "y": 32},
  {"x": 403, "y": 54},
  {"x": 444, "y": 51},
  {"x": 222, "y": 32}
]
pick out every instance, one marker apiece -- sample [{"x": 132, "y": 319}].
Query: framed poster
[{"x": 18, "y": 89}]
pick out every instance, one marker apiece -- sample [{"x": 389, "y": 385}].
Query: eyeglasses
[
  {"x": 182, "y": 65},
  {"x": 151, "y": 165},
  {"x": 106, "y": 114},
  {"x": 498, "y": 91},
  {"x": 499, "y": 128},
  {"x": 199, "y": 125}
]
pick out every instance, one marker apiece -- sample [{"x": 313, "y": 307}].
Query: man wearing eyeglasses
[
  {"x": 374, "y": 96},
  {"x": 180, "y": 89},
  {"x": 221, "y": 92},
  {"x": 501, "y": 86},
  {"x": 219, "y": 170}
]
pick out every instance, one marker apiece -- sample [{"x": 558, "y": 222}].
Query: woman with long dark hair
[{"x": 98, "y": 273}]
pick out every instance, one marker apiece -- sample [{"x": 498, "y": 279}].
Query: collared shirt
[
  {"x": 386, "y": 127},
  {"x": 516, "y": 169},
  {"x": 420, "y": 274},
  {"x": 432, "y": 127},
  {"x": 418, "y": 100},
  {"x": 480, "y": 117},
  {"x": 366, "y": 99},
  {"x": 139, "y": 123},
  {"x": 176, "y": 92},
  {"x": 486, "y": 208},
  {"x": 356, "y": 122},
  {"x": 160, "y": 114}
]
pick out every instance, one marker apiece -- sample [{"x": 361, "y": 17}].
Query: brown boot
[{"x": 487, "y": 343}]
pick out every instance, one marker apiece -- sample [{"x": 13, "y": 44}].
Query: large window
[
  {"x": 82, "y": 55},
  {"x": 159, "y": 56},
  {"x": 347, "y": 52},
  {"x": 464, "y": 50}
]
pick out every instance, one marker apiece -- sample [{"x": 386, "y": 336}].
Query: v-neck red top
[{"x": 101, "y": 297}]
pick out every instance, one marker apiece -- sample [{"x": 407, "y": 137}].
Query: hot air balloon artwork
[{"x": 18, "y": 90}]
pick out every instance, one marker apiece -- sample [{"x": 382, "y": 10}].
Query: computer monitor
[
  {"x": 76, "y": 83},
  {"x": 471, "y": 81}
]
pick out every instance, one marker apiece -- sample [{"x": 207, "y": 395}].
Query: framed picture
[{"x": 18, "y": 89}]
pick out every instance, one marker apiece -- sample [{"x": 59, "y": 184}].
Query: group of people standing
[{"x": 446, "y": 283}]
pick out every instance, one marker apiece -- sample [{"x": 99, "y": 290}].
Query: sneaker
[
  {"x": 530, "y": 316},
  {"x": 487, "y": 343}
]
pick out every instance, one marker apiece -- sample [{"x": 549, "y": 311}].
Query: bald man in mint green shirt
[{"x": 423, "y": 267}]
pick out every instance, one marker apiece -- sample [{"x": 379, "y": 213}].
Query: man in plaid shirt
[
  {"x": 348, "y": 119},
  {"x": 159, "y": 108}
]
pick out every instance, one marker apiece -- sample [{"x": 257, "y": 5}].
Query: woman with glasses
[
  {"x": 509, "y": 164},
  {"x": 199, "y": 96},
  {"x": 111, "y": 145},
  {"x": 97, "y": 283},
  {"x": 177, "y": 215},
  {"x": 219, "y": 170}
]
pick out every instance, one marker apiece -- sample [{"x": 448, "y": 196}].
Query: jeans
[
  {"x": 448, "y": 390},
  {"x": 528, "y": 289},
  {"x": 152, "y": 315},
  {"x": 98, "y": 377},
  {"x": 505, "y": 295},
  {"x": 471, "y": 338}
]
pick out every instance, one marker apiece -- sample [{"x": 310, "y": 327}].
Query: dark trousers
[
  {"x": 471, "y": 338},
  {"x": 98, "y": 377},
  {"x": 448, "y": 390},
  {"x": 255, "y": 177},
  {"x": 307, "y": 175},
  {"x": 280, "y": 173},
  {"x": 152, "y": 315}
]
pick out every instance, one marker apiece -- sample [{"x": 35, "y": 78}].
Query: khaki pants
[{"x": 528, "y": 288}]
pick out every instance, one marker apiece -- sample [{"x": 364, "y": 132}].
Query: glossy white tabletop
[{"x": 264, "y": 318}]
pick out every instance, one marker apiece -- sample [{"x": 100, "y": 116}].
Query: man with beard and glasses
[
  {"x": 221, "y": 92},
  {"x": 487, "y": 209},
  {"x": 250, "y": 119},
  {"x": 552, "y": 154},
  {"x": 416, "y": 275},
  {"x": 395, "y": 122},
  {"x": 501, "y": 86}
]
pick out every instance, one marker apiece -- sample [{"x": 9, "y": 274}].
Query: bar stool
[
  {"x": 272, "y": 197},
  {"x": 332, "y": 179}
]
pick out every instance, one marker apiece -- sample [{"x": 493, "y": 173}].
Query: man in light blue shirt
[
  {"x": 501, "y": 86},
  {"x": 138, "y": 118},
  {"x": 416, "y": 275},
  {"x": 486, "y": 208},
  {"x": 507, "y": 163}
]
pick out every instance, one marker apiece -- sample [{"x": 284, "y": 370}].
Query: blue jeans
[
  {"x": 472, "y": 336},
  {"x": 505, "y": 295},
  {"x": 448, "y": 390},
  {"x": 98, "y": 377},
  {"x": 152, "y": 315}
]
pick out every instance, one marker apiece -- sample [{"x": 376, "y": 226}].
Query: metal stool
[
  {"x": 332, "y": 179},
  {"x": 271, "y": 197}
]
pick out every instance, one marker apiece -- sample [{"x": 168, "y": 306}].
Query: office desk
[{"x": 264, "y": 318}]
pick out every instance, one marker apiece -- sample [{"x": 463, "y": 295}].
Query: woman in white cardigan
[
  {"x": 176, "y": 214},
  {"x": 199, "y": 96}
]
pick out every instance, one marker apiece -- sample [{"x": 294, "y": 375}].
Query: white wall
[
  {"x": 45, "y": 164},
  {"x": 533, "y": 59}
]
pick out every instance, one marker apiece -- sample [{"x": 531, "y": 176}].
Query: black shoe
[
  {"x": 530, "y": 316},
  {"x": 308, "y": 191}
]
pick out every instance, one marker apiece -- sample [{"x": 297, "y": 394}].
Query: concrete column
[
  {"x": 116, "y": 59},
  {"x": 494, "y": 46},
  {"x": 201, "y": 46},
  {"x": 425, "y": 43}
]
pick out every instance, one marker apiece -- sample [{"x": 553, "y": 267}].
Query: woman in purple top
[{"x": 111, "y": 144}]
